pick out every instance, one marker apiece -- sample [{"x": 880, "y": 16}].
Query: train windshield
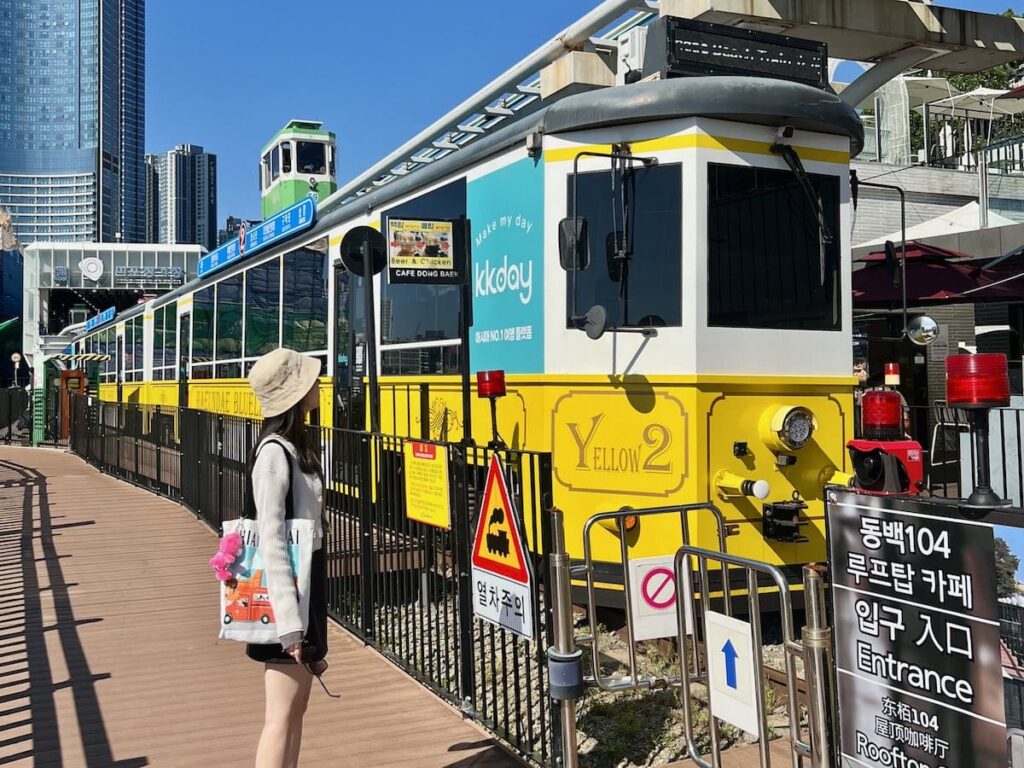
[
  {"x": 639, "y": 212},
  {"x": 773, "y": 249}
]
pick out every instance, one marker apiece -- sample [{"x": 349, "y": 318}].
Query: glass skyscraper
[{"x": 72, "y": 119}]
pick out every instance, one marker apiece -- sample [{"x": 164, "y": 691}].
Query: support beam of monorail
[
  {"x": 893, "y": 34},
  {"x": 873, "y": 30}
]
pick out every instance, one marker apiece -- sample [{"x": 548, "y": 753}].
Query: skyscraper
[
  {"x": 72, "y": 118},
  {"x": 182, "y": 195}
]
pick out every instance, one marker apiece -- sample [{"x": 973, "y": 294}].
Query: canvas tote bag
[{"x": 246, "y": 614}]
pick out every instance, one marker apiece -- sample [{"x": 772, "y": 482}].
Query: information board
[
  {"x": 101, "y": 319},
  {"x": 421, "y": 251},
  {"x": 916, "y": 626},
  {"x": 284, "y": 224},
  {"x": 427, "y": 498}
]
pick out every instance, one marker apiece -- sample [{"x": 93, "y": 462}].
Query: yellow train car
[{"x": 662, "y": 271}]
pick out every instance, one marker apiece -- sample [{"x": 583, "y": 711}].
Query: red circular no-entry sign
[{"x": 658, "y": 588}]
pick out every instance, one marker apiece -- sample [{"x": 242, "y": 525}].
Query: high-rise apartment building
[
  {"x": 72, "y": 119},
  {"x": 181, "y": 196},
  {"x": 232, "y": 226}
]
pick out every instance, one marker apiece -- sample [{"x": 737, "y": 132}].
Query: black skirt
[{"x": 316, "y": 631}]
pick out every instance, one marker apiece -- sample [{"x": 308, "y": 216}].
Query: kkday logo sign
[
  {"x": 506, "y": 209},
  {"x": 493, "y": 280}
]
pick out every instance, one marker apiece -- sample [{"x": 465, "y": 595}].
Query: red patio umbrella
[
  {"x": 930, "y": 280},
  {"x": 918, "y": 250}
]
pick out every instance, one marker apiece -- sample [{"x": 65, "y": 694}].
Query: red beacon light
[
  {"x": 978, "y": 383},
  {"x": 882, "y": 415},
  {"x": 491, "y": 385},
  {"x": 884, "y": 459},
  {"x": 892, "y": 374}
]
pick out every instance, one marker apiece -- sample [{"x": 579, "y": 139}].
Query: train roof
[{"x": 762, "y": 101}]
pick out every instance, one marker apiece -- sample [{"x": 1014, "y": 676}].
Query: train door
[
  {"x": 348, "y": 367},
  {"x": 71, "y": 382},
  {"x": 184, "y": 352}
]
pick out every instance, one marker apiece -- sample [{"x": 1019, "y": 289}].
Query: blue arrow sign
[
  {"x": 281, "y": 225},
  {"x": 730, "y": 664}
]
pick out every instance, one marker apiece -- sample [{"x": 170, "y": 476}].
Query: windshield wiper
[{"x": 792, "y": 159}]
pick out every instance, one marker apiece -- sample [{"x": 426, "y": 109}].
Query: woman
[{"x": 286, "y": 480}]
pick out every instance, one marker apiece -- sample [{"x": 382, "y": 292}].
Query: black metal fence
[
  {"x": 946, "y": 438},
  {"x": 14, "y": 403},
  {"x": 402, "y": 586}
]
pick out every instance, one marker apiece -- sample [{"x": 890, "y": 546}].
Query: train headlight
[{"x": 787, "y": 428}]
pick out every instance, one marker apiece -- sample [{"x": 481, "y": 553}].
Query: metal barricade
[
  {"x": 634, "y": 680},
  {"x": 814, "y": 648}
]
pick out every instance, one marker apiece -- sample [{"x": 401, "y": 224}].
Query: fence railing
[
  {"x": 402, "y": 586},
  {"x": 13, "y": 407},
  {"x": 950, "y": 463}
]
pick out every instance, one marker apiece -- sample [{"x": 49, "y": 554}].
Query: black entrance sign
[{"x": 916, "y": 627}]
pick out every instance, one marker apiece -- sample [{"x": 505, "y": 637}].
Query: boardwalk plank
[{"x": 98, "y": 667}]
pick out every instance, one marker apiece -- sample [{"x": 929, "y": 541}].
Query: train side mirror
[
  {"x": 922, "y": 330},
  {"x": 595, "y": 322},
  {"x": 573, "y": 243}
]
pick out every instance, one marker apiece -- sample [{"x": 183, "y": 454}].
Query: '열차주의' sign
[{"x": 501, "y": 570}]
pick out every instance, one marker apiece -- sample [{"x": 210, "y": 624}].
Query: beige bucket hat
[{"x": 281, "y": 379}]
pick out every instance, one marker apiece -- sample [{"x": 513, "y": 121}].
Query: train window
[
  {"x": 310, "y": 157},
  {"x": 262, "y": 308},
  {"x": 139, "y": 354},
  {"x": 171, "y": 341},
  {"x": 305, "y": 298},
  {"x": 432, "y": 360},
  {"x": 330, "y": 160},
  {"x": 158, "y": 340},
  {"x": 410, "y": 313},
  {"x": 202, "y": 327},
  {"x": 275, "y": 164},
  {"x": 229, "y": 371},
  {"x": 265, "y": 170},
  {"x": 767, "y": 265},
  {"x": 129, "y": 351},
  {"x": 107, "y": 348},
  {"x": 229, "y": 319},
  {"x": 650, "y": 292},
  {"x": 286, "y": 157}
]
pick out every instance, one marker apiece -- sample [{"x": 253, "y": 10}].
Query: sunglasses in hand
[{"x": 316, "y": 668}]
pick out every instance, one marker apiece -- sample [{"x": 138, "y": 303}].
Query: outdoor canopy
[{"x": 934, "y": 276}]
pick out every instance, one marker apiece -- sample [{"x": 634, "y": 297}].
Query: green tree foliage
[{"x": 1007, "y": 564}]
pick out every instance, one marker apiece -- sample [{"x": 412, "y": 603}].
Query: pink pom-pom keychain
[{"x": 228, "y": 552}]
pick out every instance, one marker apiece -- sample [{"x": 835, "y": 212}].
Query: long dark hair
[{"x": 291, "y": 425}]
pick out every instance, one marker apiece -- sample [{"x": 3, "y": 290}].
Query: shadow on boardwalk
[{"x": 109, "y": 656}]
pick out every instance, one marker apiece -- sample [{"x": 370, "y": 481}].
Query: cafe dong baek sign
[{"x": 916, "y": 634}]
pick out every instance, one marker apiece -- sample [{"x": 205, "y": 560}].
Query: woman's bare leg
[
  {"x": 287, "y": 690},
  {"x": 299, "y": 705}
]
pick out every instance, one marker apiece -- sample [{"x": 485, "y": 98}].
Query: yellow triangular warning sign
[{"x": 498, "y": 546}]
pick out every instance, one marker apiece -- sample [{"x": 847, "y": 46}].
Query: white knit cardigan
[{"x": 270, "y": 482}]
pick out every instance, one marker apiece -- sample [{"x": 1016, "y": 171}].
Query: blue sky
[{"x": 228, "y": 79}]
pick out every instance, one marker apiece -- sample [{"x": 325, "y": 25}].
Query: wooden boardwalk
[{"x": 109, "y": 656}]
